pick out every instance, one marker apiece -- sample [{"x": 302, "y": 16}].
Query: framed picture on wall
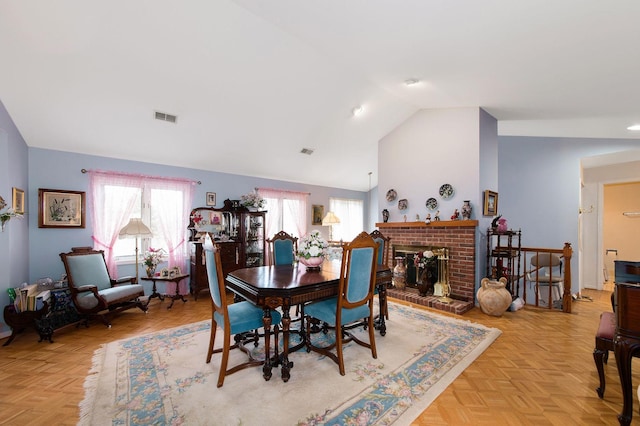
[
  {"x": 18, "y": 200},
  {"x": 490, "y": 203},
  {"x": 211, "y": 199},
  {"x": 58, "y": 208},
  {"x": 317, "y": 213}
]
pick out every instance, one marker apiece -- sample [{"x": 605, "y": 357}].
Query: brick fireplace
[{"x": 459, "y": 237}]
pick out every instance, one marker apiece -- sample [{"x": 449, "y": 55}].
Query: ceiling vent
[
  {"x": 307, "y": 151},
  {"x": 166, "y": 117}
]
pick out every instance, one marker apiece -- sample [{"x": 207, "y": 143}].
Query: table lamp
[
  {"x": 134, "y": 229},
  {"x": 329, "y": 220}
]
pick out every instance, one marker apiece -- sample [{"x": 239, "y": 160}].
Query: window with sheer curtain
[
  {"x": 163, "y": 204},
  {"x": 351, "y": 215},
  {"x": 287, "y": 211}
]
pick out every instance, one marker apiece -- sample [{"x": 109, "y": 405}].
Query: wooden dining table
[{"x": 289, "y": 285}]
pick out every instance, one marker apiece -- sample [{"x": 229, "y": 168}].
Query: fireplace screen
[{"x": 409, "y": 252}]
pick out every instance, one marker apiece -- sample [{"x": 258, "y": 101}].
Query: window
[
  {"x": 163, "y": 204},
  {"x": 287, "y": 212},
  {"x": 124, "y": 249},
  {"x": 351, "y": 215}
]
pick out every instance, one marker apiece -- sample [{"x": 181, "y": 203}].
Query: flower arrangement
[
  {"x": 153, "y": 257},
  {"x": 6, "y": 215},
  {"x": 425, "y": 259},
  {"x": 252, "y": 199},
  {"x": 312, "y": 245}
]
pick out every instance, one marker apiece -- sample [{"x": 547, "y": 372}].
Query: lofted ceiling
[{"x": 253, "y": 82}]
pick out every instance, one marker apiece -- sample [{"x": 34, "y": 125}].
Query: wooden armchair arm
[
  {"x": 122, "y": 280},
  {"x": 85, "y": 288}
]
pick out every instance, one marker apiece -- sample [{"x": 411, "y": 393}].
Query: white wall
[{"x": 431, "y": 148}]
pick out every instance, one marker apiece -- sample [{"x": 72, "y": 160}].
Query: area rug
[{"x": 162, "y": 378}]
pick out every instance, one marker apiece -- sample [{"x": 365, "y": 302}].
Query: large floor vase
[
  {"x": 493, "y": 297},
  {"x": 312, "y": 263}
]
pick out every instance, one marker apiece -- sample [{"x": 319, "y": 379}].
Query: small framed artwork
[
  {"x": 18, "y": 200},
  {"x": 317, "y": 213},
  {"x": 61, "y": 209},
  {"x": 490, "y": 203},
  {"x": 164, "y": 273},
  {"x": 211, "y": 198}
]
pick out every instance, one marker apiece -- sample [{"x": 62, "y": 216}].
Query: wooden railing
[{"x": 565, "y": 254}]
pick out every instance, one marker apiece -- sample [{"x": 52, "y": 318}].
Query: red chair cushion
[{"x": 607, "y": 327}]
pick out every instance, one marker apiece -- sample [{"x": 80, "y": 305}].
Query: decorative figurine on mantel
[
  {"x": 455, "y": 215},
  {"x": 437, "y": 216},
  {"x": 385, "y": 215},
  {"x": 417, "y": 218},
  {"x": 427, "y": 219}
]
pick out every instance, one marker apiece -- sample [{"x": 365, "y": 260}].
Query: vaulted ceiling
[{"x": 253, "y": 82}]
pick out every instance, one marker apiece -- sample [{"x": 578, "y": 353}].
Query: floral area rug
[{"x": 162, "y": 378}]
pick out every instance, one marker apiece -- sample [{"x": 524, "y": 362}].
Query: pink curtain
[
  {"x": 111, "y": 211},
  {"x": 173, "y": 217},
  {"x": 276, "y": 207}
]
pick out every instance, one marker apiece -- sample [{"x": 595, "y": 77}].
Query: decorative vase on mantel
[
  {"x": 493, "y": 297},
  {"x": 466, "y": 210},
  {"x": 399, "y": 274}
]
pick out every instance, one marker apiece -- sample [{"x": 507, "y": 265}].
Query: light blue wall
[
  {"x": 14, "y": 241},
  {"x": 539, "y": 187},
  {"x": 62, "y": 170}
]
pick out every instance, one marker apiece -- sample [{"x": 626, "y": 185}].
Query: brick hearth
[{"x": 460, "y": 238}]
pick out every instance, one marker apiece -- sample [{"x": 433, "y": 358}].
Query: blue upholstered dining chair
[
  {"x": 282, "y": 248},
  {"x": 354, "y": 302},
  {"x": 241, "y": 318},
  {"x": 383, "y": 259}
]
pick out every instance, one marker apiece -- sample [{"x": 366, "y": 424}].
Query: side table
[
  {"x": 18, "y": 321},
  {"x": 175, "y": 279}
]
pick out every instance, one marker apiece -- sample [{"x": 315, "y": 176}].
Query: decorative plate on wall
[
  {"x": 432, "y": 203},
  {"x": 403, "y": 204},
  {"x": 446, "y": 191},
  {"x": 391, "y": 195}
]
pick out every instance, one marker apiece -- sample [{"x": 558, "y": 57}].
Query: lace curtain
[
  {"x": 279, "y": 207},
  {"x": 110, "y": 211}
]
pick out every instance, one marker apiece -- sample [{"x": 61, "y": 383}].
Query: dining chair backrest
[
  {"x": 358, "y": 272},
  {"x": 215, "y": 277},
  {"x": 283, "y": 248},
  {"x": 384, "y": 247}
]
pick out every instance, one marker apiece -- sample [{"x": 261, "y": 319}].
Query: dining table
[{"x": 284, "y": 286}]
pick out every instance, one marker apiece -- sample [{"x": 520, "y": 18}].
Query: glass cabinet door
[{"x": 254, "y": 239}]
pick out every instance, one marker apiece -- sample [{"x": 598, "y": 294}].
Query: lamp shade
[
  {"x": 330, "y": 219},
  {"x": 135, "y": 228}
]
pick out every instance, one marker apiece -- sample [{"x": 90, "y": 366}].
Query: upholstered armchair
[{"x": 94, "y": 293}]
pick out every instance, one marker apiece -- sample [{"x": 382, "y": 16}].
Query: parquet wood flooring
[{"x": 540, "y": 371}]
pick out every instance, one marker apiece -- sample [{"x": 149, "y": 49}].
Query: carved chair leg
[{"x": 599, "y": 356}]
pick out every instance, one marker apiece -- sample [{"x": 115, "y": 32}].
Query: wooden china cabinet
[{"x": 238, "y": 232}]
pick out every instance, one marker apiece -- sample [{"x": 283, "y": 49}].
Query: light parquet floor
[{"x": 540, "y": 371}]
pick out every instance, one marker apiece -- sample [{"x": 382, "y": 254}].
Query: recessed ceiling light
[
  {"x": 356, "y": 111},
  {"x": 634, "y": 127},
  {"x": 411, "y": 81}
]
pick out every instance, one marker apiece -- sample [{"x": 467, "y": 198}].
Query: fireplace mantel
[{"x": 433, "y": 224}]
